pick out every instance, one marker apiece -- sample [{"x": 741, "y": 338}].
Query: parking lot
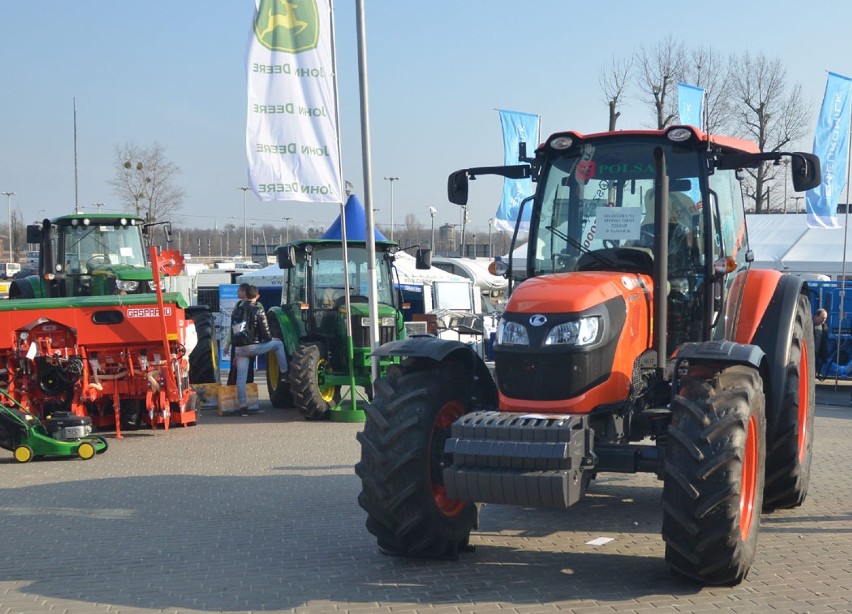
[{"x": 260, "y": 514}]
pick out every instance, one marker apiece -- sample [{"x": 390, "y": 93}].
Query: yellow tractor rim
[{"x": 327, "y": 392}]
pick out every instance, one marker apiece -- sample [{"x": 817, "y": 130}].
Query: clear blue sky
[{"x": 173, "y": 72}]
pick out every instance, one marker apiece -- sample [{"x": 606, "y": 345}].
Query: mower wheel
[
  {"x": 306, "y": 368},
  {"x": 86, "y": 450},
  {"x": 402, "y": 455},
  {"x": 23, "y": 454},
  {"x": 714, "y": 472},
  {"x": 789, "y": 444}
]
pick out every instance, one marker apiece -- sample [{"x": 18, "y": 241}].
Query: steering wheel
[{"x": 94, "y": 262}]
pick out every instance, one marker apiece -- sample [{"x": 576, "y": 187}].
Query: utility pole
[
  {"x": 9, "y": 196},
  {"x": 391, "y": 179},
  {"x": 245, "y": 231}
]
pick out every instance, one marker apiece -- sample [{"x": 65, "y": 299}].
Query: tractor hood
[{"x": 574, "y": 292}]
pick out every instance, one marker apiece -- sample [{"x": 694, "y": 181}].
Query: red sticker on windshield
[{"x": 585, "y": 169}]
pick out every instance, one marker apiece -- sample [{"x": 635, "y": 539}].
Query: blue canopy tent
[{"x": 356, "y": 224}]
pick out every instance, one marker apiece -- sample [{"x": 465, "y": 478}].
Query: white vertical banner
[{"x": 292, "y": 141}]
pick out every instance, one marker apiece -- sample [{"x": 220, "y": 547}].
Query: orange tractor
[
  {"x": 640, "y": 340},
  {"x": 114, "y": 359}
]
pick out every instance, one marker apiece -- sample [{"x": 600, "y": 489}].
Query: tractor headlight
[
  {"x": 153, "y": 287},
  {"x": 125, "y": 285},
  {"x": 511, "y": 333},
  {"x": 579, "y": 332}
]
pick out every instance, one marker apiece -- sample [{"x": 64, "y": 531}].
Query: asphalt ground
[{"x": 260, "y": 514}]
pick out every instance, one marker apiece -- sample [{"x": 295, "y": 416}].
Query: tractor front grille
[{"x": 361, "y": 333}]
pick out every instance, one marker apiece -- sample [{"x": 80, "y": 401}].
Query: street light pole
[
  {"x": 432, "y": 212},
  {"x": 9, "y": 196},
  {"x": 287, "y": 219},
  {"x": 391, "y": 179},
  {"x": 245, "y": 232},
  {"x": 490, "y": 245}
]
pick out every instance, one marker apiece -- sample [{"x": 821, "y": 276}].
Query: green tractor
[
  {"x": 311, "y": 321},
  {"x": 88, "y": 254}
]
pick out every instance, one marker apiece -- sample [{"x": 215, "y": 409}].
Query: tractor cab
[
  {"x": 315, "y": 293},
  {"x": 87, "y": 255}
]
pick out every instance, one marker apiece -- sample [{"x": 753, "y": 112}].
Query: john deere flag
[
  {"x": 690, "y": 104},
  {"x": 291, "y": 128},
  {"x": 517, "y": 128},
  {"x": 831, "y": 144}
]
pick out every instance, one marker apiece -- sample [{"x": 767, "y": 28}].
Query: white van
[{"x": 8, "y": 269}]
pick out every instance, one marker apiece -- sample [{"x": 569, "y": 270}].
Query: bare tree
[
  {"x": 707, "y": 69},
  {"x": 145, "y": 181},
  {"x": 769, "y": 112},
  {"x": 613, "y": 81},
  {"x": 659, "y": 69}
]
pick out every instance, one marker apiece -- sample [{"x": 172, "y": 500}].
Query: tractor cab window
[
  {"x": 600, "y": 196},
  {"x": 89, "y": 247},
  {"x": 327, "y": 273}
]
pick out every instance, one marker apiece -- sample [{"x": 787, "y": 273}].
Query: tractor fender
[
  {"x": 720, "y": 352},
  {"x": 280, "y": 322},
  {"x": 28, "y": 287},
  {"x": 774, "y": 335},
  {"x": 421, "y": 350}
]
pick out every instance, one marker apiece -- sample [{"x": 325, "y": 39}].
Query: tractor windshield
[
  {"x": 86, "y": 247},
  {"x": 328, "y": 277},
  {"x": 600, "y": 194}
]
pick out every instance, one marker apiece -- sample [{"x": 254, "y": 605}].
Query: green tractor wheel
[
  {"x": 279, "y": 390},
  {"x": 306, "y": 370}
]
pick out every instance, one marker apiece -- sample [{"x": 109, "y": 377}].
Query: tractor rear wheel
[
  {"x": 714, "y": 472},
  {"x": 306, "y": 368},
  {"x": 402, "y": 454},
  {"x": 203, "y": 363},
  {"x": 789, "y": 444}
]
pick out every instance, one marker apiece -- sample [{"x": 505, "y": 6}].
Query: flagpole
[
  {"x": 843, "y": 267},
  {"x": 368, "y": 185}
]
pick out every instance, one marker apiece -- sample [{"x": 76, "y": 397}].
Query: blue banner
[
  {"x": 831, "y": 144},
  {"x": 690, "y": 105},
  {"x": 517, "y": 128}
]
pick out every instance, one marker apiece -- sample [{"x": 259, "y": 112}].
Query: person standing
[
  {"x": 260, "y": 342},
  {"x": 232, "y": 373}
]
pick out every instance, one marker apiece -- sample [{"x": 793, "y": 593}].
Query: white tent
[
  {"x": 785, "y": 243},
  {"x": 267, "y": 276}
]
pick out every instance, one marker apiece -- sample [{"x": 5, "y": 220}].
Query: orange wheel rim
[
  {"x": 749, "y": 479},
  {"x": 448, "y": 414},
  {"x": 804, "y": 401}
]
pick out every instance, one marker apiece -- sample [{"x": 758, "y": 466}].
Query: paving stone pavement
[{"x": 260, "y": 514}]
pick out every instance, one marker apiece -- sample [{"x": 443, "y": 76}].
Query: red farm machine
[
  {"x": 639, "y": 339},
  {"x": 97, "y": 361}
]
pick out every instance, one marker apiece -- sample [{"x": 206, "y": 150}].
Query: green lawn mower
[{"x": 60, "y": 434}]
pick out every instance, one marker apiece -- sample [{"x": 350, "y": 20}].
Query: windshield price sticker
[{"x": 623, "y": 223}]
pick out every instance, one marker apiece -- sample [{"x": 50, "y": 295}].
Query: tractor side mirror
[
  {"x": 286, "y": 257},
  {"x": 34, "y": 233},
  {"x": 457, "y": 186},
  {"x": 423, "y": 259},
  {"x": 806, "y": 171}
]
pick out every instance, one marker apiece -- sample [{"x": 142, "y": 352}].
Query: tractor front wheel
[
  {"x": 789, "y": 445},
  {"x": 203, "y": 363},
  {"x": 279, "y": 390},
  {"x": 402, "y": 456},
  {"x": 307, "y": 367},
  {"x": 714, "y": 472}
]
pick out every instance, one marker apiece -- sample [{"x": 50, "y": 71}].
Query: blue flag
[
  {"x": 831, "y": 145},
  {"x": 690, "y": 105},
  {"x": 517, "y": 127}
]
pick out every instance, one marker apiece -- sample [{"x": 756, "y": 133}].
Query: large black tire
[
  {"x": 305, "y": 367},
  {"x": 790, "y": 442},
  {"x": 714, "y": 470},
  {"x": 279, "y": 390},
  {"x": 203, "y": 363},
  {"x": 402, "y": 448}
]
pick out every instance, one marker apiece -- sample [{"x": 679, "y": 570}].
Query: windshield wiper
[{"x": 599, "y": 257}]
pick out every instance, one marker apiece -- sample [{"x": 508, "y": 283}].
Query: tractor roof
[
  {"x": 727, "y": 143},
  {"x": 94, "y": 217}
]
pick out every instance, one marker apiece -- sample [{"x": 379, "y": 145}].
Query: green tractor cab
[
  {"x": 311, "y": 321},
  {"x": 87, "y": 254}
]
